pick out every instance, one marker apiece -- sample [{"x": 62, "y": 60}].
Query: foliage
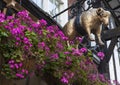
[{"x": 27, "y": 46}]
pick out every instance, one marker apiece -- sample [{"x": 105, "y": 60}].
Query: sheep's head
[{"x": 103, "y": 15}]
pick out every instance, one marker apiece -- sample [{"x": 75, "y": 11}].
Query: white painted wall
[
  {"x": 46, "y": 6},
  {"x": 117, "y": 63},
  {"x": 64, "y": 16}
]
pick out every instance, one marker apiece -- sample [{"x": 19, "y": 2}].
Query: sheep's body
[{"x": 91, "y": 21}]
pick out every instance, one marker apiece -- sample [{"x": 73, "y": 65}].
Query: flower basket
[{"x": 29, "y": 47}]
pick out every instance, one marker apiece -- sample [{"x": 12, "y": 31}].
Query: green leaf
[
  {"x": 62, "y": 55},
  {"x": 4, "y": 34},
  {"x": 6, "y": 55}
]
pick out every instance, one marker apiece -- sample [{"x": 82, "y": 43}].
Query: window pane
[{"x": 38, "y": 3}]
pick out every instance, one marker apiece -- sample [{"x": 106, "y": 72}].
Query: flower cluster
[
  {"x": 101, "y": 55},
  {"x": 2, "y": 17},
  {"x": 23, "y": 40}
]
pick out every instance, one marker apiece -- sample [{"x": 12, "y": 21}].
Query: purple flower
[
  {"x": 66, "y": 52},
  {"x": 76, "y": 52},
  {"x": 26, "y": 47},
  {"x": 2, "y": 17},
  {"x": 64, "y": 38},
  {"x": 24, "y": 71},
  {"x": 68, "y": 62},
  {"x": 26, "y": 40},
  {"x": 68, "y": 58},
  {"x": 12, "y": 66},
  {"x": 9, "y": 17},
  {"x": 83, "y": 50},
  {"x": 88, "y": 61},
  {"x": 64, "y": 80},
  {"x": 55, "y": 56},
  {"x": 79, "y": 38},
  {"x": 18, "y": 38},
  {"x": 47, "y": 49},
  {"x": 23, "y": 14},
  {"x": 59, "y": 46},
  {"x": 50, "y": 29},
  {"x": 92, "y": 77},
  {"x": 35, "y": 25},
  {"x": 60, "y": 34},
  {"x": 19, "y": 75},
  {"x": 101, "y": 55},
  {"x": 43, "y": 22},
  {"x": 11, "y": 62},
  {"x": 102, "y": 78},
  {"x": 16, "y": 31},
  {"x": 16, "y": 43},
  {"x": 71, "y": 42},
  {"x": 16, "y": 66},
  {"x": 20, "y": 64},
  {"x": 41, "y": 45},
  {"x": 40, "y": 32}
]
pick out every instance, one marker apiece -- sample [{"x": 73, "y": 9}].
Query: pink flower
[
  {"x": 41, "y": 45},
  {"x": 20, "y": 64},
  {"x": 9, "y": 17},
  {"x": 92, "y": 77},
  {"x": 61, "y": 34},
  {"x": 2, "y": 17},
  {"x": 66, "y": 52},
  {"x": 101, "y": 55},
  {"x": 64, "y": 38},
  {"x": 26, "y": 40},
  {"x": 79, "y": 38},
  {"x": 83, "y": 50},
  {"x": 59, "y": 46},
  {"x": 24, "y": 71},
  {"x": 23, "y": 14},
  {"x": 102, "y": 78},
  {"x": 43, "y": 22},
  {"x": 55, "y": 56},
  {"x": 76, "y": 52},
  {"x": 51, "y": 29},
  {"x": 19, "y": 75},
  {"x": 68, "y": 62},
  {"x": 16, "y": 65},
  {"x": 64, "y": 80},
  {"x": 12, "y": 66},
  {"x": 11, "y": 62}
]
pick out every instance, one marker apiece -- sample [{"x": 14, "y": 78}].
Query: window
[
  {"x": 54, "y": 8},
  {"x": 50, "y": 6},
  {"x": 38, "y": 3}
]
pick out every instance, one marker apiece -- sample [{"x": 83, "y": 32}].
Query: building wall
[
  {"x": 114, "y": 63},
  {"x": 50, "y": 8}
]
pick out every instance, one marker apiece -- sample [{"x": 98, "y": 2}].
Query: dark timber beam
[
  {"x": 110, "y": 49},
  {"x": 111, "y": 33}
]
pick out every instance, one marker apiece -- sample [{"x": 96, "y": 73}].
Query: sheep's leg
[
  {"x": 98, "y": 34},
  {"x": 89, "y": 34}
]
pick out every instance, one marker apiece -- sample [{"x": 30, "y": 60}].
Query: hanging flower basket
[{"x": 27, "y": 46}]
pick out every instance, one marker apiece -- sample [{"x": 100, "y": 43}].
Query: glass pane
[{"x": 38, "y": 3}]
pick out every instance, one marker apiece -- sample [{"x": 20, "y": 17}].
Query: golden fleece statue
[{"x": 90, "y": 21}]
